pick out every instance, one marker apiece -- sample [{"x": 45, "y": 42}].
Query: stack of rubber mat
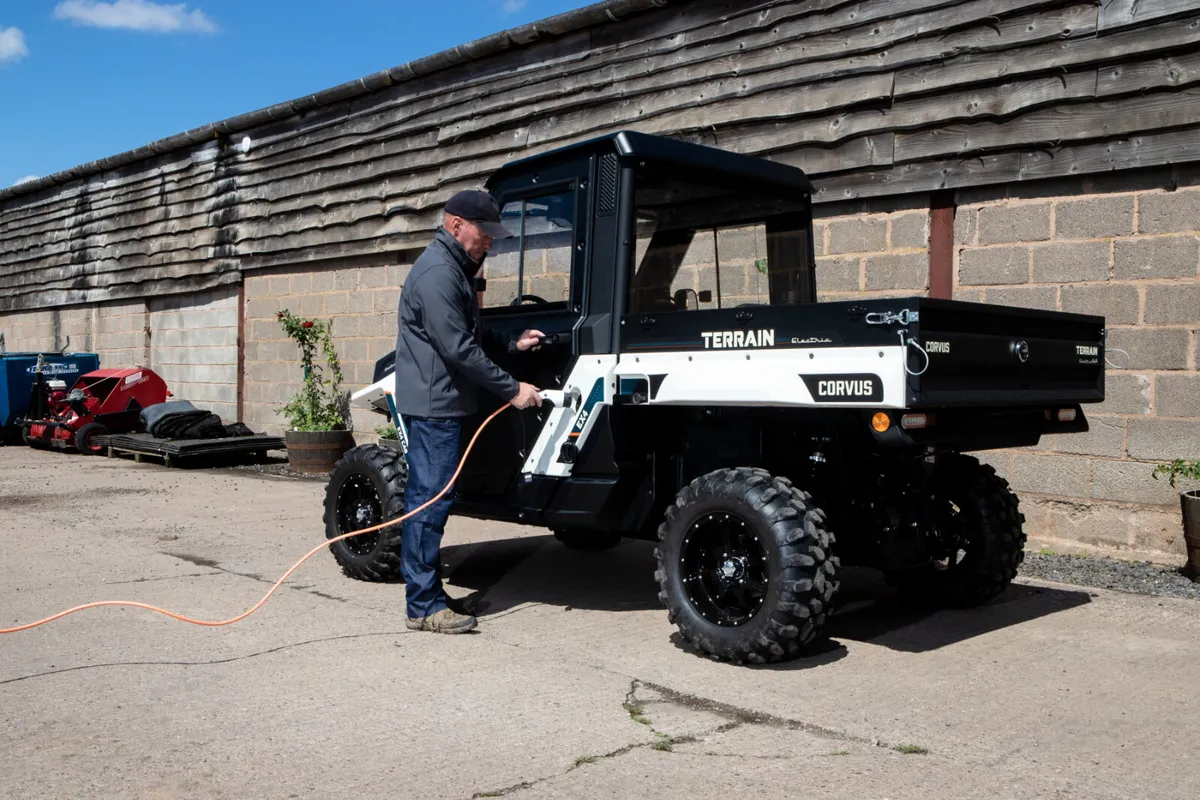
[{"x": 179, "y": 419}]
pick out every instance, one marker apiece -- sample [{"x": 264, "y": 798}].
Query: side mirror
[
  {"x": 480, "y": 284},
  {"x": 706, "y": 296}
]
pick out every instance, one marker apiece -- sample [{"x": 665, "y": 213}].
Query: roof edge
[{"x": 510, "y": 39}]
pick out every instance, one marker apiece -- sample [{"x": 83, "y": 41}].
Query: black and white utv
[{"x": 705, "y": 400}]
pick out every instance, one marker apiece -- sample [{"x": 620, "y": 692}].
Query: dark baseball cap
[{"x": 481, "y": 208}]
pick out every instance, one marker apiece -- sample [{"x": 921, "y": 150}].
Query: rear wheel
[
  {"x": 744, "y": 566},
  {"x": 591, "y": 541},
  {"x": 976, "y": 539},
  {"x": 366, "y": 488},
  {"x": 84, "y": 436}
]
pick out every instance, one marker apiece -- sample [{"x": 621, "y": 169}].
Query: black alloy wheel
[
  {"x": 724, "y": 569},
  {"x": 358, "y": 506}
]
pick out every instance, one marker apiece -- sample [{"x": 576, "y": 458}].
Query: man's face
[{"x": 474, "y": 241}]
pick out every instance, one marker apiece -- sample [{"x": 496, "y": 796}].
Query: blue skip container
[{"x": 17, "y": 373}]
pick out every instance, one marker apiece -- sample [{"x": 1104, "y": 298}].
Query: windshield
[{"x": 706, "y": 243}]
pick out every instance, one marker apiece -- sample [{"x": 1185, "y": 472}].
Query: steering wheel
[{"x": 522, "y": 298}]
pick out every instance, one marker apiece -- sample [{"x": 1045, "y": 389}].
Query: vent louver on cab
[{"x": 609, "y": 170}]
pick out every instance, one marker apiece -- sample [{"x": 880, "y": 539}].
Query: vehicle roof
[{"x": 648, "y": 147}]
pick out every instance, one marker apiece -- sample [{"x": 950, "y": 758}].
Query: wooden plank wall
[{"x": 872, "y": 98}]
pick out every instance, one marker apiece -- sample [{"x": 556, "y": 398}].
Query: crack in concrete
[
  {"x": 620, "y": 751},
  {"x": 164, "y": 578},
  {"x": 745, "y": 716},
  {"x": 200, "y": 561},
  {"x": 307, "y": 588},
  {"x": 740, "y": 716},
  {"x": 212, "y": 662},
  {"x": 737, "y": 717}
]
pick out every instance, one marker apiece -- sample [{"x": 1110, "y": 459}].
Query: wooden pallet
[{"x": 174, "y": 451}]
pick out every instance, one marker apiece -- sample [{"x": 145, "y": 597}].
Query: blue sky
[{"x": 84, "y": 79}]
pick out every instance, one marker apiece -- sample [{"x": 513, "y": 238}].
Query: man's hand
[
  {"x": 529, "y": 340},
  {"x": 528, "y": 396}
]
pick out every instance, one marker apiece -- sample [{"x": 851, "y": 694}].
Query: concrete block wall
[
  {"x": 547, "y": 274},
  {"x": 742, "y": 277},
  {"x": 872, "y": 254},
  {"x": 865, "y": 253},
  {"x": 193, "y": 346},
  {"x": 1134, "y": 257},
  {"x": 116, "y": 331},
  {"x": 361, "y": 301}
]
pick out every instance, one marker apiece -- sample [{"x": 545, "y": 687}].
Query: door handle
[
  {"x": 648, "y": 321},
  {"x": 744, "y": 316}
]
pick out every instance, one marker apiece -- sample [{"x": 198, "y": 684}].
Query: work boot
[{"x": 444, "y": 621}]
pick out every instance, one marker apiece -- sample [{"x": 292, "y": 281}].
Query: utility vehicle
[{"x": 707, "y": 401}]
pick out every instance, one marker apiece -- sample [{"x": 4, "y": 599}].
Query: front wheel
[
  {"x": 366, "y": 488},
  {"x": 745, "y": 568},
  {"x": 975, "y": 539}
]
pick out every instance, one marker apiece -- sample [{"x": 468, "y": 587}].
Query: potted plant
[
  {"x": 320, "y": 412},
  {"x": 1190, "y": 502},
  {"x": 389, "y": 436}
]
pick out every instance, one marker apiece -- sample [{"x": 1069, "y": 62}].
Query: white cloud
[
  {"x": 513, "y": 6},
  {"x": 136, "y": 15},
  {"x": 26, "y": 179},
  {"x": 12, "y": 45}
]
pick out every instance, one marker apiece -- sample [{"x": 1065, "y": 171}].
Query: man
[{"x": 439, "y": 367}]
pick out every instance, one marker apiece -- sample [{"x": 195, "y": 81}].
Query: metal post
[{"x": 521, "y": 256}]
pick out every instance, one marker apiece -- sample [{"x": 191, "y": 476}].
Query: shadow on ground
[{"x": 506, "y": 573}]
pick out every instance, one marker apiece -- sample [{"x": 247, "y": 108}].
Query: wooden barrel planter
[
  {"x": 316, "y": 451},
  {"x": 1191, "y": 530}
]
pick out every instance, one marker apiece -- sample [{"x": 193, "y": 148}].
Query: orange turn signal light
[{"x": 881, "y": 422}]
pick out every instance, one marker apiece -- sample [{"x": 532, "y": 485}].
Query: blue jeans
[{"x": 433, "y": 450}]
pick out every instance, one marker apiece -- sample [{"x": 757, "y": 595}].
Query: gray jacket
[{"x": 440, "y": 363}]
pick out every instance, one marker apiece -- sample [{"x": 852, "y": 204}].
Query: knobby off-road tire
[
  {"x": 83, "y": 438},
  {"x": 978, "y": 543},
  {"x": 365, "y": 488},
  {"x": 588, "y": 540},
  {"x": 745, "y": 567}
]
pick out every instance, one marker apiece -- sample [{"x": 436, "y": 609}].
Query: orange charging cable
[{"x": 267, "y": 596}]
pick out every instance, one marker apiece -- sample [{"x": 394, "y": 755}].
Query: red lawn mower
[{"x": 101, "y": 402}]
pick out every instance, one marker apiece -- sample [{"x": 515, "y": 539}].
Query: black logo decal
[{"x": 844, "y": 388}]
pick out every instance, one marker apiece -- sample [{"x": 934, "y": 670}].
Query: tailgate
[{"x": 1002, "y": 356}]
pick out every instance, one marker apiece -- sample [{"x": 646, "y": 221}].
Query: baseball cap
[{"x": 481, "y": 208}]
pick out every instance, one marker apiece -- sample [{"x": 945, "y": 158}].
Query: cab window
[{"x": 532, "y": 269}]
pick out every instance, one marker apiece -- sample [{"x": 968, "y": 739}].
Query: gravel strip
[
  {"x": 280, "y": 468},
  {"x": 1122, "y": 576}
]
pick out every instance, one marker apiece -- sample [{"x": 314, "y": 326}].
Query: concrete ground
[{"x": 574, "y": 686}]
